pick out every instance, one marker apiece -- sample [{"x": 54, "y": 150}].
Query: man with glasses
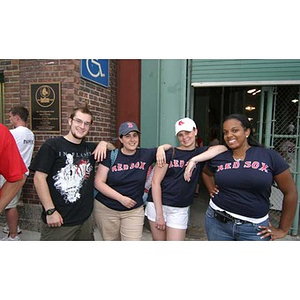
[{"x": 64, "y": 180}]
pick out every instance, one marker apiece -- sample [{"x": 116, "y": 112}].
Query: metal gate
[{"x": 279, "y": 130}]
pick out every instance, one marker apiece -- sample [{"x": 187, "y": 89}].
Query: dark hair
[
  {"x": 213, "y": 134},
  {"x": 21, "y": 111},
  {"x": 84, "y": 110},
  {"x": 246, "y": 124}
]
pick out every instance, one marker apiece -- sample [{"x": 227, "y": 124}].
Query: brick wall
[
  {"x": 75, "y": 91},
  {"x": 103, "y": 103}
]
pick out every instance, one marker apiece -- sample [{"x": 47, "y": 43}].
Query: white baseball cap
[{"x": 185, "y": 124}]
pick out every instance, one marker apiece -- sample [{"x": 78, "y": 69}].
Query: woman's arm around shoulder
[
  {"x": 210, "y": 153},
  {"x": 161, "y": 154},
  {"x": 100, "y": 151}
]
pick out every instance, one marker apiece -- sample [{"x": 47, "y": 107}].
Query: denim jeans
[{"x": 231, "y": 231}]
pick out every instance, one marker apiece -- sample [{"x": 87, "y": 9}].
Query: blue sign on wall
[{"x": 95, "y": 70}]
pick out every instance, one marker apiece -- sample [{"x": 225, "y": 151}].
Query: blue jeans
[{"x": 231, "y": 231}]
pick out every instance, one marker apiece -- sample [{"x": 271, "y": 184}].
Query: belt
[{"x": 224, "y": 217}]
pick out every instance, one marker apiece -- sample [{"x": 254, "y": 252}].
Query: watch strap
[{"x": 50, "y": 211}]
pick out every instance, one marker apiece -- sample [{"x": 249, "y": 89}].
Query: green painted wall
[
  {"x": 164, "y": 85},
  {"x": 219, "y": 70},
  {"x": 163, "y": 99}
]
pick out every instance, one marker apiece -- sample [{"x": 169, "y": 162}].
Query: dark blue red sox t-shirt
[
  {"x": 245, "y": 186},
  {"x": 176, "y": 191},
  {"x": 127, "y": 176}
]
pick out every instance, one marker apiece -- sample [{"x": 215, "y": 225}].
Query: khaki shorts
[{"x": 117, "y": 225}]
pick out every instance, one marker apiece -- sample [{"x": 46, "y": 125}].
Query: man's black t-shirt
[{"x": 71, "y": 169}]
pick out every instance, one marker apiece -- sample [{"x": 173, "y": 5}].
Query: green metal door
[{"x": 163, "y": 99}]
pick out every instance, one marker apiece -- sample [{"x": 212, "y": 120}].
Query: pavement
[{"x": 193, "y": 234}]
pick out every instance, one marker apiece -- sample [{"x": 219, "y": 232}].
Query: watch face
[{"x": 50, "y": 211}]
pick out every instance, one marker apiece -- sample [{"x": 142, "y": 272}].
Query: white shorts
[
  {"x": 13, "y": 203},
  {"x": 175, "y": 217}
]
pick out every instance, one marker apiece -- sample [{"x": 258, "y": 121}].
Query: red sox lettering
[
  {"x": 175, "y": 163},
  {"x": 255, "y": 165},
  {"x": 123, "y": 167}
]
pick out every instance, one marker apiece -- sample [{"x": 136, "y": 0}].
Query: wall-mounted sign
[
  {"x": 95, "y": 70},
  {"x": 45, "y": 106}
]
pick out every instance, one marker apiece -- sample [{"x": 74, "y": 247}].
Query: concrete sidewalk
[{"x": 193, "y": 234}]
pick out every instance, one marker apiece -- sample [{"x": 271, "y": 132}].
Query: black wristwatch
[{"x": 50, "y": 211}]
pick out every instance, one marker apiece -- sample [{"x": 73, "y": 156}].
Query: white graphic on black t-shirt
[{"x": 69, "y": 180}]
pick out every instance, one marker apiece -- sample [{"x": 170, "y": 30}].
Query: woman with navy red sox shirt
[
  {"x": 170, "y": 195},
  {"x": 243, "y": 175},
  {"x": 118, "y": 206}
]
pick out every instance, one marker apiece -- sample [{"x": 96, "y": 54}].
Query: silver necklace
[
  {"x": 238, "y": 159},
  {"x": 242, "y": 157}
]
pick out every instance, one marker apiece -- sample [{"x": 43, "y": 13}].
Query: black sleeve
[{"x": 44, "y": 159}]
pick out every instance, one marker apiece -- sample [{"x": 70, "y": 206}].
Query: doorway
[{"x": 212, "y": 104}]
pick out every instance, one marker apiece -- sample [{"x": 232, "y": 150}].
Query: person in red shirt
[{"x": 12, "y": 167}]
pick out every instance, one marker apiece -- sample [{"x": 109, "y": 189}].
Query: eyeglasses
[{"x": 80, "y": 122}]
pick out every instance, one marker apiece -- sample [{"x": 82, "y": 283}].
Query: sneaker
[
  {"x": 8, "y": 238},
  {"x": 6, "y": 229}
]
